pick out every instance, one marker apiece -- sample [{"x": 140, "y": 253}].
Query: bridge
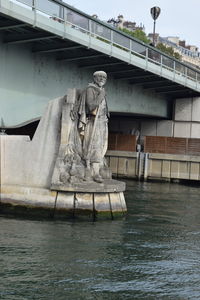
[{"x": 48, "y": 46}]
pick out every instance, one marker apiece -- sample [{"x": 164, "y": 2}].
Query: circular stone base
[
  {"x": 40, "y": 202},
  {"x": 107, "y": 186}
]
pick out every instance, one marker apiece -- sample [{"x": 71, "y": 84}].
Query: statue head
[{"x": 100, "y": 78}]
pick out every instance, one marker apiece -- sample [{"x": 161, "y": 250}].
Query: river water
[{"x": 153, "y": 253}]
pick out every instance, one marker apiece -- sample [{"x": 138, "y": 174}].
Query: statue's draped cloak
[{"x": 95, "y": 133}]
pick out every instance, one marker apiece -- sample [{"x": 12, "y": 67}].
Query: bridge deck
[{"x": 53, "y": 26}]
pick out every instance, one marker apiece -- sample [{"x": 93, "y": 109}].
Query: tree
[
  {"x": 168, "y": 50},
  {"x": 141, "y": 35},
  {"x": 138, "y": 34}
]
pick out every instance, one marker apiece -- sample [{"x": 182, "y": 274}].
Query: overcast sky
[{"x": 178, "y": 17}]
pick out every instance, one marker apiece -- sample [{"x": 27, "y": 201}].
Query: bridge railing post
[
  {"x": 146, "y": 57},
  {"x": 34, "y": 8},
  {"x": 196, "y": 77},
  {"x": 186, "y": 75},
  {"x": 130, "y": 49},
  {"x": 111, "y": 42},
  {"x": 161, "y": 64},
  {"x": 174, "y": 69},
  {"x": 90, "y": 32},
  {"x": 65, "y": 21}
]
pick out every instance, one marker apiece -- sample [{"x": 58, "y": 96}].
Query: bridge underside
[{"x": 17, "y": 32}]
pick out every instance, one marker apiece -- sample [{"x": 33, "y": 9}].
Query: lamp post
[{"x": 155, "y": 12}]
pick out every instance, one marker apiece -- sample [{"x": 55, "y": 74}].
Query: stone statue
[
  {"x": 84, "y": 138},
  {"x": 93, "y": 126}
]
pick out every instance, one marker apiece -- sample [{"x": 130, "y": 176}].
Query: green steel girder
[
  {"x": 123, "y": 70},
  {"x": 11, "y": 25},
  {"x": 101, "y": 65},
  {"x": 139, "y": 79},
  {"x": 181, "y": 90},
  {"x": 27, "y": 37},
  {"x": 130, "y": 74},
  {"x": 55, "y": 48},
  {"x": 81, "y": 57},
  {"x": 169, "y": 88},
  {"x": 151, "y": 85}
]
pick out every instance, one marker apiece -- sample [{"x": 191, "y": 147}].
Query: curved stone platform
[
  {"x": 107, "y": 186},
  {"x": 40, "y": 202}
]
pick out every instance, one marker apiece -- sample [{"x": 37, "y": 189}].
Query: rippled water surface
[{"x": 154, "y": 253}]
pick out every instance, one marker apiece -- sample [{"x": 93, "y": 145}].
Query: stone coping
[
  {"x": 175, "y": 157},
  {"x": 117, "y": 153},
  {"x": 108, "y": 186}
]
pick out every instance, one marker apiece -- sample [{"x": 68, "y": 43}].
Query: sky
[{"x": 178, "y": 17}]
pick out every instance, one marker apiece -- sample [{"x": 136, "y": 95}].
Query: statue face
[{"x": 100, "y": 79}]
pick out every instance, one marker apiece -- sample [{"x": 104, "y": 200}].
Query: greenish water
[{"x": 154, "y": 253}]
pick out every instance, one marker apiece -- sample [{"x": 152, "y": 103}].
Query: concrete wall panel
[
  {"x": 182, "y": 129},
  {"x": 183, "y": 109},
  {"x": 196, "y": 109}
]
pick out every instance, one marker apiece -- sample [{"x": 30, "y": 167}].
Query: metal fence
[{"x": 63, "y": 13}]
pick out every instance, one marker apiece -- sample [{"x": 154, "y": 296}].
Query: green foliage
[
  {"x": 141, "y": 35},
  {"x": 168, "y": 50},
  {"x": 138, "y": 34}
]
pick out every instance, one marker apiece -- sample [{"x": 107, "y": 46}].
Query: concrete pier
[{"x": 26, "y": 170}]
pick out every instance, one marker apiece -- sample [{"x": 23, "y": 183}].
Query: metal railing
[{"x": 70, "y": 16}]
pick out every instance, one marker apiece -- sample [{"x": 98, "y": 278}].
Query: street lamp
[{"x": 155, "y": 12}]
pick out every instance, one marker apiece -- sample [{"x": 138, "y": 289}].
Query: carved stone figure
[
  {"x": 93, "y": 126},
  {"x": 84, "y": 139}
]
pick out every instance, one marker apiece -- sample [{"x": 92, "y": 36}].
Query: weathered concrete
[
  {"x": 183, "y": 109},
  {"x": 37, "y": 202}
]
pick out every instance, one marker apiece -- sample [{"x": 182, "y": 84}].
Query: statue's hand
[
  {"x": 102, "y": 93},
  {"x": 101, "y": 96}
]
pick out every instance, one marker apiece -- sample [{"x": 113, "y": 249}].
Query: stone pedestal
[{"x": 41, "y": 202}]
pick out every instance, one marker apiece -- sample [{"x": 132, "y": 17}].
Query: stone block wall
[
  {"x": 187, "y": 118},
  {"x": 185, "y": 122}
]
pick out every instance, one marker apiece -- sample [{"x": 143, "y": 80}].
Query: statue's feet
[
  {"x": 87, "y": 176},
  {"x": 98, "y": 178}
]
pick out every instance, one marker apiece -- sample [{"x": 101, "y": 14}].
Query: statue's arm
[{"x": 93, "y": 99}]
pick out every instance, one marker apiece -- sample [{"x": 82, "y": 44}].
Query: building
[
  {"x": 189, "y": 53},
  {"x": 121, "y": 23}
]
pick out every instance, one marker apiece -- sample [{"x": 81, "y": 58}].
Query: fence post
[
  {"x": 111, "y": 40},
  {"x": 174, "y": 68},
  {"x": 161, "y": 64},
  {"x": 146, "y": 57},
  {"x": 146, "y": 163},
  {"x": 196, "y": 80},
  {"x": 34, "y": 7},
  {"x": 90, "y": 32},
  {"x": 130, "y": 49},
  {"x": 186, "y": 75}
]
